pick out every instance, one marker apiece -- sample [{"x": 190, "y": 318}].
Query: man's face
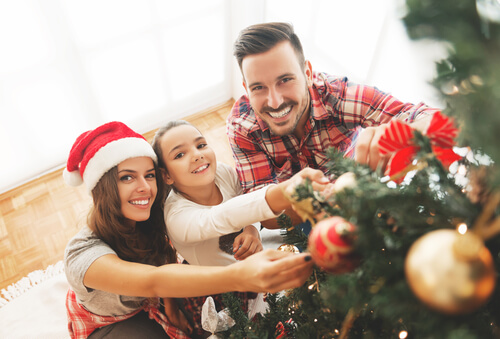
[{"x": 277, "y": 88}]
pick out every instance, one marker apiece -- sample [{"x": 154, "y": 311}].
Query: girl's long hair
[{"x": 148, "y": 241}]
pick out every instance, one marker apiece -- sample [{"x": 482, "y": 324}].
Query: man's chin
[{"x": 280, "y": 130}]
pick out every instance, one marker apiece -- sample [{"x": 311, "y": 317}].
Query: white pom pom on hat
[{"x": 97, "y": 151}]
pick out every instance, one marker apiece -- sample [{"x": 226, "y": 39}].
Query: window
[{"x": 69, "y": 66}]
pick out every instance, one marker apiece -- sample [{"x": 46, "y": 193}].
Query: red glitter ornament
[{"x": 331, "y": 244}]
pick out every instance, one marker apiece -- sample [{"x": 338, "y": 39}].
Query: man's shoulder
[
  {"x": 242, "y": 118},
  {"x": 326, "y": 82}
]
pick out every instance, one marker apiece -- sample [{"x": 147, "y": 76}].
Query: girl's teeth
[{"x": 200, "y": 169}]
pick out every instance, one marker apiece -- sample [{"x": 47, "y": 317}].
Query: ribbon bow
[
  {"x": 398, "y": 139},
  {"x": 213, "y": 321}
]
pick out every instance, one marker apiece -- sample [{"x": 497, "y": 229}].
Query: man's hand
[{"x": 367, "y": 150}]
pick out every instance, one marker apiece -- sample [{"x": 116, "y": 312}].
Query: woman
[{"x": 121, "y": 262}]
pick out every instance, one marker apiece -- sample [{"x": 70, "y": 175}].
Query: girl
[
  {"x": 121, "y": 262},
  {"x": 206, "y": 204}
]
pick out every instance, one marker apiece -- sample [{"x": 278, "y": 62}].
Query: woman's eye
[
  {"x": 126, "y": 178},
  {"x": 151, "y": 176},
  {"x": 202, "y": 146}
]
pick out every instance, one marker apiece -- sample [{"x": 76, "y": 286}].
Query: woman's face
[
  {"x": 137, "y": 188},
  {"x": 189, "y": 160}
]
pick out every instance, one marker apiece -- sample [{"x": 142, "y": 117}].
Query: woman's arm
[{"x": 266, "y": 271}]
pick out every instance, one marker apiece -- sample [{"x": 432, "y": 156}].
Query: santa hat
[{"x": 97, "y": 151}]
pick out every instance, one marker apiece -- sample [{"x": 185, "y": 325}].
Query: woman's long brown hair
[{"x": 148, "y": 241}]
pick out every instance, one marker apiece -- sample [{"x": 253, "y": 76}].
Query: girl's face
[
  {"x": 137, "y": 188},
  {"x": 189, "y": 160}
]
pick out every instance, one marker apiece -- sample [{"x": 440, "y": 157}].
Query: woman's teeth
[{"x": 139, "y": 202}]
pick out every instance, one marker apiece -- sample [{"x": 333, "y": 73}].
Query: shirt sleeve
[
  {"x": 191, "y": 223},
  {"x": 253, "y": 166},
  {"x": 365, "y": 106}
]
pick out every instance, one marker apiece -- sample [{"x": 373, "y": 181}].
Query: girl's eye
[
  {"x": 151, "y": 176},
  {"x": 202, "y": 146},
  {"x": 179, "y": 155}
]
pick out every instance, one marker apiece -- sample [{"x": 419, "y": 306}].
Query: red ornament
[
  {"x": 331, "y": 244},
  {"x": 398, "y": 141}
]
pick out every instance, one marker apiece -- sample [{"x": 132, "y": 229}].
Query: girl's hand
[
  {"x": 247, "y": 243},
  {"x": 176, "y": 317}
]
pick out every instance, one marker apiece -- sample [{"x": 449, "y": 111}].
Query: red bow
[
  {"x": 397, "y": 139},
  {"x": 281, "y": 331}
]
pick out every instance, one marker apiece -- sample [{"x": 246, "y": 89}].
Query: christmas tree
[{"x": 413, "y": 252}]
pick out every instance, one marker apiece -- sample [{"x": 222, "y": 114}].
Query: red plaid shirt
[
  {"x": 339, "y": 110},
  {"x": 81, "y": 323}
]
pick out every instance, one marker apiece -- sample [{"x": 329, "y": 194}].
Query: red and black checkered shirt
[{"x": 339, "y": 110}]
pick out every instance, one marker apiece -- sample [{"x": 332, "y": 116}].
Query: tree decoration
[
  {"x": 398, "y": 141},
  {"x": 450, "y": 272},
  {"x": 331, "y": 244},
  {"x": 288, "y": 248}
]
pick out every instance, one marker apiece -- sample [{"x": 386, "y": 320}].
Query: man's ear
[
  {"x": 168, "y": 180},
  {"x": 308, "y": 72}
]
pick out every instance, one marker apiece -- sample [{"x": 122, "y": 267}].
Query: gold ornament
[
  {"x": 450, "y": 272},
  {"x": 288, "y": 248}
]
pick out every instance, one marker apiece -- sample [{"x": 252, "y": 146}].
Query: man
[{"x": 291, "y": 115}]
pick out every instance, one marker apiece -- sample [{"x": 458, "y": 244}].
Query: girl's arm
[
  {"x": 266, "y": 271},
  {"x": 232, "y": 215},
  {"x": 276, "y": 194}
]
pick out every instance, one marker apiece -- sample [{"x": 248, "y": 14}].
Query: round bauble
[
  {"x": 288, "y": 248},
  {"x": 450, "y": 272},
  {"x": 331, "y": 244},
  {"x": 346, "y": 180}
]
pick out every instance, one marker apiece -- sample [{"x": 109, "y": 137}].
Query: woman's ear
[{"x": 168, "y": 180}]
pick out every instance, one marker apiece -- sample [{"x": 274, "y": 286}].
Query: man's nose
[{"x": 274, "y": 98}]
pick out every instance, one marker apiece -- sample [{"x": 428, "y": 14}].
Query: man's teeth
[
  {"x": 139, "y": 202},
  {"x": 281, "y": 113},
  {"x": 199, "y": 169}
]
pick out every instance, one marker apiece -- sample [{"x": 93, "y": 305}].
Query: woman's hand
[
  {"x": 247, "y": 243},
  {"x": 273, "y": 271}
]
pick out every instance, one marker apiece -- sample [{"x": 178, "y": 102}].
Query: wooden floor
[{"x": 38, "y": 218}]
